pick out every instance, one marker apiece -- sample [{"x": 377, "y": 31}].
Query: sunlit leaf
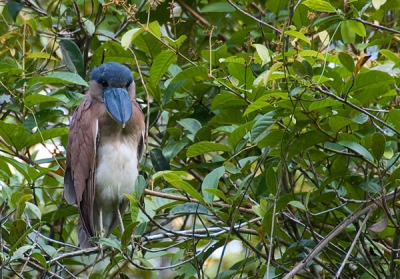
[
  {"x": 378, "y": 3},
  {"x": 263, "y": 53},
  {"x": 41, "y": 55},
  {"x": 130, "y": 36},
  {"x": 320, "y": 6},
  {"x": 298, "y": 35}
]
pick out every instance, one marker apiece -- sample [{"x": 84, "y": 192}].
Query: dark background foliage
[{"x": 272, "y": 137}]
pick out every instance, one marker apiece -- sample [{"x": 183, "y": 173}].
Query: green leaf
[
  {"x": 35, "y": 210},
  {"x": 186, "y": 271},
  {"x": 154, "y": 28},
  {"x": 111, "y": 51},
  {"x": 206, "y": 147},
  {"x": 307, "y": 140},
  {"x": 14, "y": 8},
  {"x": 173, "y": 148},
  {"x": 187, "y": 188},
  {"x": 243, "y": 74},
  {"x": 89, "y": 26},
  {"x": 41, "y": 55},
  {"x": 218, "y": 7},
  {"x": 378, "y": 145},
  {"x": 127, "y": 234},
  {"x": 371, "y": 187},
  {"x": 357, "y": 27},
  {"x": 347, "y": 61},
  {"x": 324, "y": 104},
  {"x": 176, "y": 44},
  {"x": 390, "y": 55},
  {"x": 394, "y": 117},
  {"x": 371, "y": 79},
  {"x": 129, "y": 36},
  {"x": 40, "y": 258},
  {"x": 261, "y": 209},
  {"x": 320, "y": 6},
  {"x": 189, "y": 208},
  {"x": 263, "y": 53},
  {"x": 262, "y": 125},
  {"x": 227, "y": 99},
  {"x": 218, "y": 193},
  {"x": 60, "y": 213},
  {"x": 190, "y": 124},
  {"x": 358, "y": 149},
  {"x": 20, "y": 252},
  {"x": 266, "y": 100},
  {"x": 337, "y": 123},
  {"x": 43, "y": 135},
  {"x": 237, "y": 135},
  {"x": 158, "y": 160},
  {"x": 348, "y": 34},
  {"x": 59, "y": 78},
  {"x": 72, "y": 56},
  {"x": 297, "y": 205},
  {"x": 22, "y": 238},
  {"x": 211, "y": 182},
  {"x": 135, "y": 209},
  {"x": 160, "y": 66},
  {"x": 13, "y": 134},
  {"x": 21, "y": 168},
  {"x": 196, "y": 73},
  {"x": 110, "y": 243},
  {"x": 303, "y": 68},
  {"x": 298, "y": 35},
  {"x": 17, "y": 229},
  {"x": 140, "y": 186},
  {"x": 36, "y": 99},
  {"x": 378, "y": 3},
  {"x": 170, "y": 175},
  {"x": 312, "y": 53}
]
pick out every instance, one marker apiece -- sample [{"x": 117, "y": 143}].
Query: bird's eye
[
  {"x": 104, "y": 83},
  {"x": 128, "y": 84}
]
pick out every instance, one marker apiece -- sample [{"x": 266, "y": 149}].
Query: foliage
[{"x": 273, "y": 124}]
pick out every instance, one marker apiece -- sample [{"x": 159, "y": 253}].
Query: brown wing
[{"x": 79, "y": 180}]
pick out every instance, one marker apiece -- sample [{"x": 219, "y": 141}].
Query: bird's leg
[
  {"x": 101, "y": 222},
  {"x": 121, "y": 224}
]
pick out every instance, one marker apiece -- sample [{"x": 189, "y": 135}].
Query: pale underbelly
[{"x": 116, "y": 173}]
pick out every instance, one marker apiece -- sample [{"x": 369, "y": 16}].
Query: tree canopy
[{"x": 272, "y": 136}]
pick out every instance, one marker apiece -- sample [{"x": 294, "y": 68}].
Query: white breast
[{"x": 116, "y": 172}]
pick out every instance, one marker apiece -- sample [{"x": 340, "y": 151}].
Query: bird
[{"x": 105, "y": 146}]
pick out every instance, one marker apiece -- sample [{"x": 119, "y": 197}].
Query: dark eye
[
  {"x": 128, "y": 84},
  {"x": 104, "y": 83}
]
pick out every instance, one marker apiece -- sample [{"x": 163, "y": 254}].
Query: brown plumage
[{"x": 105, "y": 146}]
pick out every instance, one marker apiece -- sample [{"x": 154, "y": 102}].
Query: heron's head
[{"x": 113, "y": 83}]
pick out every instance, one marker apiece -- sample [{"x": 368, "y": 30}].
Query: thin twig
[
  {"x": 341, "y": 227},
  {"x": 254, "y": 18}
]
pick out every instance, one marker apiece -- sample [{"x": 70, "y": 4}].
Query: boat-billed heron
[{"x": 105, "y": 146}]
